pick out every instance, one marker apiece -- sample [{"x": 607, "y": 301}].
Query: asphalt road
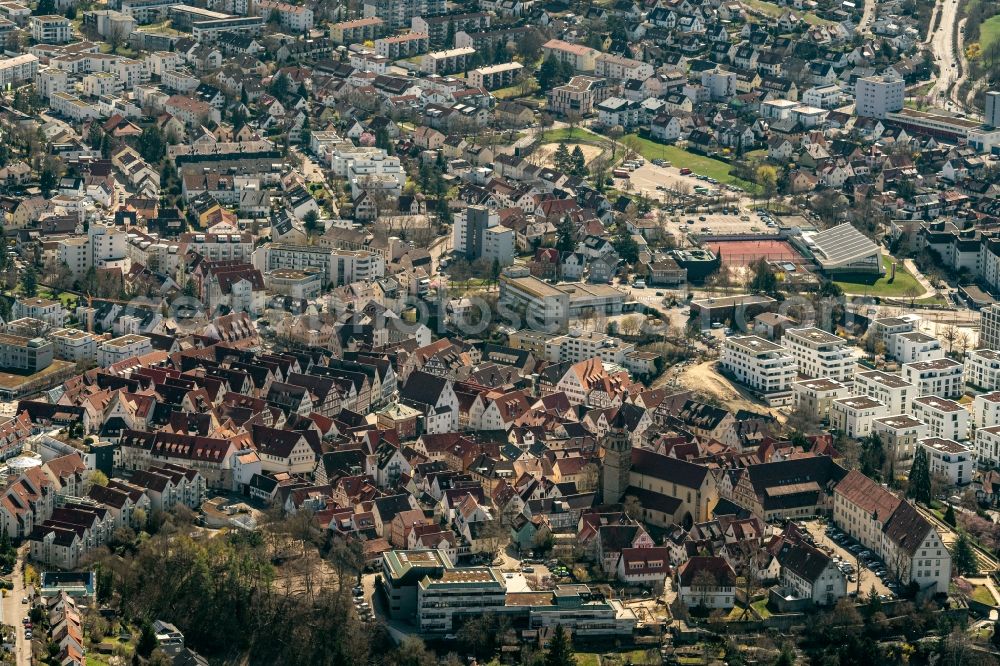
[{"x": 941, "y": 42}]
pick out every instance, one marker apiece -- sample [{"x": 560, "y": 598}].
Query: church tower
[{"x": 617, "y": 461}]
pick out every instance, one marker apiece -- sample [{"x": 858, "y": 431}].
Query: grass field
[
  {"x": 517, "y": 90},
  {"x": 706, "y": 166},
  {"x": 989, "y": 32},
  {"x": 774, "y": 11},
  {"x": 577, "y": 135},
  {"x": 761, "y": 607},
  {"x": 867, "y": 284},
  {"x": 587, "y": 659},
  {"x": 983, "y": 595}
]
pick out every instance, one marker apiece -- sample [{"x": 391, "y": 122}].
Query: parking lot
[
  {"x": 852, "y": 558},
  {"x": 649, "y": 177}
]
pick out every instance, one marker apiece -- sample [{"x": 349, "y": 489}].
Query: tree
[
  {"x": 44, "y": 8},
  {"x": 147, "y": 640},
  {"x": 560, "y": 653},
  {"x": 872, "y": 456},
  {"x": 47, "y": 179},
  {"x": 625, "y": 245},
  {"x": 29, "y": 281},
  {"x": 631, "y": 507},
  {"x": 949, "y": 515},
  {"x": 96, "y": 478},
  {"x": 279, "y": 87},
  {"x": 920, "y": 478},
  {"x": 767, "y": 178},
  {"x": 579, "y": 162},
  {"x": 152, "y": 145},
  {"x": 310, "y": 220},
  {"x": 562, "y": 159},
  {"x": 566, "y": 235},
  {"x": 763, "y": 280},
  {"x": 963, "y": 555}
]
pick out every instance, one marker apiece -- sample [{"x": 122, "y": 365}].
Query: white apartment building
[
  {"x": 337, "y": 267},
  {"x": 944, "y": 418},
  {"x": 941, "y": 377},
  {"x": 43, "y": 309},
  {"x": 496, "y": 76},
  {"x": 899, "y": 434},
  {"x": 579, "y": 346},
  {"x": 949, "y": 459},
  {"x": 916, "y": 346},
  {"x": 986, "y": 410},
  {"x": 982, "y": 369},
  {"x": 354, "y": 163},
  {"x": 47, "y": 81},
  {"x": 448, "y": 61},
  {"x": 582, "y": 58},
  {"x": 891, "y": 390},
  {"x": 292, "y": 17},
  {"x": 217, "y": 247},
  {"x": 988, "y": 446},
  {"x": 73, "y": 345},
  {"x": 820, "y": 354},
  {"x": 51, "y": 29},
  {"x": 103, "y": 247},
  {"x": 73, "y": 107},
  {"x": 498, "y": 245},
  {"x": 877, "y": 96},
  {"x": 121, "y": 348},
  {"x": 824, "y": 97},
  {"x": 989, "y": 327},
  {"x": 854, "y": 415},
  {"x": 886, "y": 328},
  {"x": 621, "y": 69},
  {"x": 814, "y": 396},
  {"x": 760, "y": 364},
  {"x": 894, "y": 530},
  {"x": 17, "y": 69}
]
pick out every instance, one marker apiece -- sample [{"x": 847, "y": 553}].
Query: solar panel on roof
[{"x": 843, "y": 244}]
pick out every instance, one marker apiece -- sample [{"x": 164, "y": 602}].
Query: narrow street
[{"x": 14, "y": 612}]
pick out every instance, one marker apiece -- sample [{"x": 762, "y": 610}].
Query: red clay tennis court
[{"x": 745, "y": 252}]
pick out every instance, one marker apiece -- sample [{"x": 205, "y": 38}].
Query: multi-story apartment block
[
  {"x": 402, "y": 46},
  {"x": 398, "y": 14},
  {"x": 941, "y": 377},
  {"x": 877, "y": 96},
  {"x": 357, "y": 31},
  {"x": 620, "y": 68},
  {"x": 819, "y": 354},
  {"x": 982, "y": 369},
  {"x": 17, "y": 69},
  {"x": 50, "y": 29},
  {"x": 582, "y": 58},
  {"x": 121, "y": 348},
  {"x": 337, "y": 267},
  {"x": 945, "y": 418},
  {"x": 217, "y": 247},
  {"x": 495, "y": 76},
  {"x": 855, "y": 415},
  {"x": 814, "y": 396},
  {"x": 986, "y": 410},
  {"x": 579, "y": 346},
  {"x": 580, "y": 95},
  {"x": 989, "y": 327},
  {"x": 916, "y": 346},
  {"x": 899, "y": 435},
  {"x": 891, "y": 390},
  {"x": 295, "y": 18},
  {"x": 446, "y": 62},
  {"x": 894, "y": 530},
  {"x": 73, "y": 345},
  {"x": 761, "y": 365},
  {"x": 987, "y": 446},
  {"x": 442, "y": 28},
  {"x": 949, "y": 459}
]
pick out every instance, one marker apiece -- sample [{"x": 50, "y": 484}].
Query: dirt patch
[
  {"x": 705, "y": 379},
  {"x": 548, "y": 150}
]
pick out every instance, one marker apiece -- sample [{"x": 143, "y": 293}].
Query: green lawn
[
  {"x": 983, "y": 595},
  {"x": 576, "y": 135},
  {"x": 587, "y": 659},
  {"x": 989, "y": 32},
  {"x": 516, "y": 90},
  {"x": 867, "y": 284},
  {"x": 706, "y": 166},
  {"x": 774, "y": 11},
  {"x": 761, "y": 607}
]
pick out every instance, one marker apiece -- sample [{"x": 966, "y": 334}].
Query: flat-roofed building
[
  {"x": 982, "y": 369},
  {"x": 761, "y": 365},
  {"x": 580, "y": 95},
  {"x": 854, "y": 415},
  {"x": 949, "y": 459},
  {"x": 844, "y": 249},
  {"x": 988, "y": 446},
  {"x": 357, "y": 31},
  {"x": 447, "y": 61},
  {"x": 942, "y": 377},
  {"x": 121, "y": 348},
  {"x": 900, "y": 434},
  {"x": 548, "y": 305},
  {"x": 986, "y": 410},
  {"x": 820, "y": 354},
  {"x": 814, "y": 396},
  {"x": 945, "y": 418},
  {"x": 891, "y": 390}
]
